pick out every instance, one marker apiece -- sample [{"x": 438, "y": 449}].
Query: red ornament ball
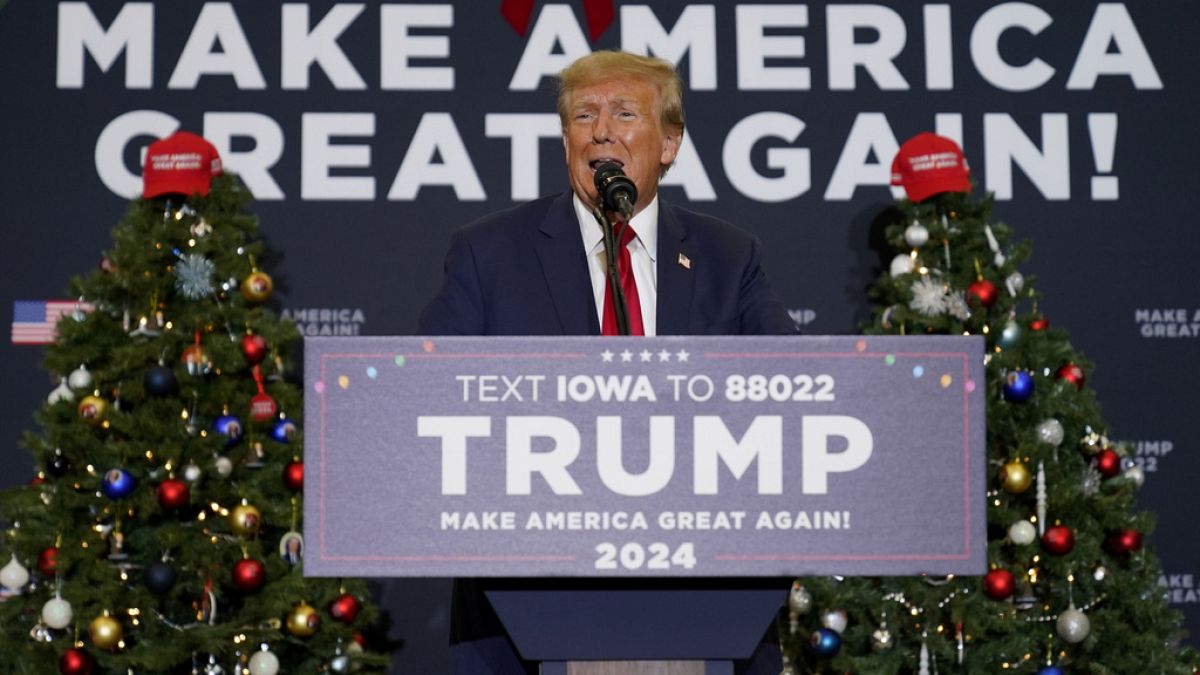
[
  {"x": 293, "y": 476},
  {"x": 344, "y": 608},
  {"x": 982, "y": 292},
  {"x": 1039, "y": 324},
  {"x": 173, "y": 494},
  {"x": 254, "y": 348},
  {"x": 1125, "y": 541},
  {"x": 999, "y": 584},
  {"x": 249, "y": 574},
  {"x": 263, "y": 408},
  {"x": 1071, "y": 373},
  {"x": 1108, "y": 463},
  {"x": 1058, "y": 540},
  {"x": 48, "y": 561},
  {"x": 75, "y": 662}
]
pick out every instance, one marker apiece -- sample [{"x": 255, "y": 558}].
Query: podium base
[{"x": 629, "y": 668}]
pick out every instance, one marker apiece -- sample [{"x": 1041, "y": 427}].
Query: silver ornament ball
[
  {"x": 80, "y": 378},
  {"x": 264, "y": 663},
  {"x": 340, "y": 664},
  {"x": 1100, "y": 573},
  {"x": 57, "y": 613},
  {"x": 916, "y": 235},
  {"x": 1010, "y": 336},
  {"x": 191, "y": 473},
  {"x": 799, "y": 600},
  {"x": 1022, "y": 533},
  {"x": 1073, "y": 625},
  {"x": 1136, "y": 475},
  {"x": 835, "y": 620},
  {"x": 1050, "y": 432},
  {"x": 224, "y": 467}
]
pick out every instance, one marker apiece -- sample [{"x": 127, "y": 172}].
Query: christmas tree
[
  {"x": 1071, "y": 586},
  {"x": 161, "y": 534}
]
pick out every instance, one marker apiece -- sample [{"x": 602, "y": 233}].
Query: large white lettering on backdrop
[{"x": 415, "y": 55}]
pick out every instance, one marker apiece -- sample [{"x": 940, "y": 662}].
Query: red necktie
[{"x": 629, "y": 286}]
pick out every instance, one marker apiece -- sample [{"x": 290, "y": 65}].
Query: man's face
[{"x": 616, "y": 121}]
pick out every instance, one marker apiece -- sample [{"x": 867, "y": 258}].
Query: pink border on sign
[
  {"x": 966, "y": 554},
  {"x": 390, "y": 357}
]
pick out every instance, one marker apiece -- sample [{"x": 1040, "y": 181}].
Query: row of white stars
[{"x": 645, "y": 356}]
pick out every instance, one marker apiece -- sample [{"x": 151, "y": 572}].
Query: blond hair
[{"x": 607, "y": 65}]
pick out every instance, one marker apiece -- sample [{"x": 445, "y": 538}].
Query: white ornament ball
[
  {"x": 835, "y": 620},
  {"x": 1100, "y": 573},
  {"x": 1022, "y": 533},
  {"x": 916, "y": 235},
  {"x": 57, "y": 613},
  {"x": 1136, "y": 474},
  {"x": 901, "y": 264},
  {"x": 340, "y": 664},
  {"x": 1073, "y": 625},
  {"x": 80, "y": 378},
  {"x": 264, "y": 663},
  {"x": 14, "y": 576},
  {"x": 799, "y": 600},
  {"x": 1050, "y": 432},
  {"x": 224, "y": 467},
  {"x": 191, "y": 473}
]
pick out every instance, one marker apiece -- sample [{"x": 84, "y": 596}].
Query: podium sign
[{"x": 666, "y": 456}]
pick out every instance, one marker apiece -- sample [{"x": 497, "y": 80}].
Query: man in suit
[{"x": 540, "y": 269}]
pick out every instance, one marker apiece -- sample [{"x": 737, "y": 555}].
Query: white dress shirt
[{"x": 643, "y": 253}]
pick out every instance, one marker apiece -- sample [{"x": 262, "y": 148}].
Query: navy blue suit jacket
[{"x": 523, "y": 271}]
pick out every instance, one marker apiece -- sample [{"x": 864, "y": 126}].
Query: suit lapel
[
  {"x": 674, "y": 278},
  {"x": 559, "y": 248}
]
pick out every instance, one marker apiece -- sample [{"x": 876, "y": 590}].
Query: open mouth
[{"x": 595, "y": 163}]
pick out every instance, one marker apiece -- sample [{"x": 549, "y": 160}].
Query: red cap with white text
[
  {"x": 928, "y": 164},
  {"x": 182, "y": 163}
]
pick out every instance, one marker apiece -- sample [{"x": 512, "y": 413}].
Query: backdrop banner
[{"x": 591, "y": 456}]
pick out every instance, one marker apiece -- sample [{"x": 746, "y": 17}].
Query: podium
[{"x": 653, "y": 496}]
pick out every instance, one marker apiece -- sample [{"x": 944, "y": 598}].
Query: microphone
[{"x": 617, "y": 191}]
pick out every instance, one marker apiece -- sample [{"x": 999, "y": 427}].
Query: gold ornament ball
[
  {"x": 303, "y": 620},
  {"x": 257, "y": 287},
  {"x": 106, "y": 632},
  {"x": 1015, "y": 477},
  {"x": 92, "y": 409},
  {"x": 245, "y": 520}
]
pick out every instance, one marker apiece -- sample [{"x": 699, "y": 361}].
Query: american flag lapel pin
[{"x": 685, "y": 262}]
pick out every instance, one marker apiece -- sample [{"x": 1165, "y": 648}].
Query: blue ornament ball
[
  {"x": 230, "y": 426},
  {"x": 1050, "y": 670},
  {"x": 825, "y": 643},
  {"x": 117, "y": 484},
  {"x": 284, "y": 431},
  {"x": 159, "y": 380},
  {"x": 1018, "y": 386}
]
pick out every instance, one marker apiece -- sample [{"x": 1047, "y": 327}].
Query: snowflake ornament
[
  {"x": 193, "y": 276},
  {"x": 928, "y": 297},
  {"x": 957, "y": 307}
]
